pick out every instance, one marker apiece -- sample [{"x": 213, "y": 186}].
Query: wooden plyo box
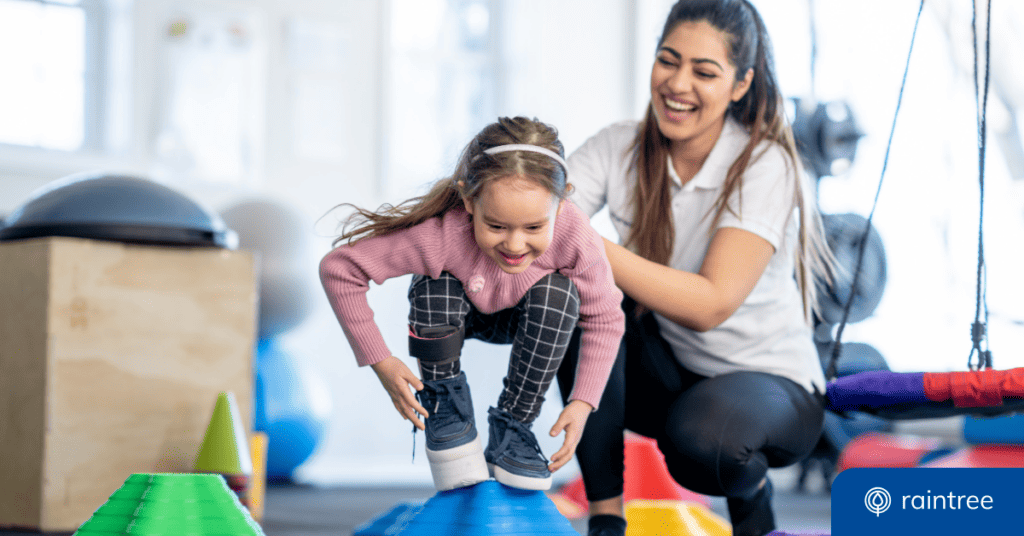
[{"x": 111, "y": 359}]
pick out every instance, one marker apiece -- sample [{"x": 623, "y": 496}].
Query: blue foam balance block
[
  {"x": 488, "y": 508},
  {"x": 391, "y": 522}
]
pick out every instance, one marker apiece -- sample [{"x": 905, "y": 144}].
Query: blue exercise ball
[{"x": 293, "y": 408}]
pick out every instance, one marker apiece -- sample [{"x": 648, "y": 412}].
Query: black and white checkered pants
[{"x": 538, "y": 327}]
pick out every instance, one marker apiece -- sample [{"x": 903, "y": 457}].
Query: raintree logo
[
  {"x": 877, "y": 500},
  {"x": 900, "y": 501}
]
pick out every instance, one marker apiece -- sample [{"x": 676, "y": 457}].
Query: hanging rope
[
  {"x": 837, "y": 346},
  {"x": 979, "y": 327}
]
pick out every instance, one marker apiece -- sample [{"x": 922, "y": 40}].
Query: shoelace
[
  {"x": 459, "y": 402},
  {"x": 518, "y": 438}
]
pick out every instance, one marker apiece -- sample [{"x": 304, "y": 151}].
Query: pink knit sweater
[{"x": 446, "y": 244}]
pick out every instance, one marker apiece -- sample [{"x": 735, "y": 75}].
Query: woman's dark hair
[
  {"x": 761, "y": 111},
  {"x": 474, "y": 170}
]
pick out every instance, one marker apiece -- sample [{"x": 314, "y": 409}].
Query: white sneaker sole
[
  {"x": 458, "y": 467},
  {"x": 519, "y": 481}
]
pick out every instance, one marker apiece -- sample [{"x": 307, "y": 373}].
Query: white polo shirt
[{"x": 768, "y": 332}]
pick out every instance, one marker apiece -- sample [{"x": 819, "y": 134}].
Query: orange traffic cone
[{"x": 646, "y": 477}]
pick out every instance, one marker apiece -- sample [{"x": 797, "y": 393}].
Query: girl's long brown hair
[
  {"x": 474, "y": 170},
  {"x": 761, "y": 111}
]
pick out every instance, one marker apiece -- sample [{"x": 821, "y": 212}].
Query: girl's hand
[
  {"x": 571, "y": 420},
  {"x": 396, "y": 379}
]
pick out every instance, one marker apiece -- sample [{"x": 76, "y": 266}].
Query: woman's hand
[
  {"x": 396, "y": 379},
  {"x": 572, "y": 420}
]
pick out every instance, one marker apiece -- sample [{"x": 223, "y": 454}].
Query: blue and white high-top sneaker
[
  {"x": 453, "y": 445},
  {"x": 513, "y": 455}
]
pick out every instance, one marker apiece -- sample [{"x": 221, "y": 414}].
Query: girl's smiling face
[
  {"x": 693, "y": 82},
  {"x": 514, "y": 221}
]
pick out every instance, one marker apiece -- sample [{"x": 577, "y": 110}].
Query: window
[
  {"x": 440, "y": 87},
  {"x": 51, "y": 68},
  {"x": 209, "y": 103}
]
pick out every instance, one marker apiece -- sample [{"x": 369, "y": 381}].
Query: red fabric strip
[{"x": 975, "y": 389}]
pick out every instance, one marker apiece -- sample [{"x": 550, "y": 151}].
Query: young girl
[
  {"x": 498, "y": 254},
  {"x": 722, "y": 245}
]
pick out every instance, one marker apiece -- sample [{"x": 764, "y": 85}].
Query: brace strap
[{"x": 437, "y": 345}]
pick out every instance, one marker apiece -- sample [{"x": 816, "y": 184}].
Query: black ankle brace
[{"x": 437, "y": 345}]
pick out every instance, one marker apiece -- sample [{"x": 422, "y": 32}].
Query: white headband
[{"x": 531, "y": 148}]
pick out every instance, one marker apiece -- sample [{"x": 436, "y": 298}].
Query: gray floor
[
  {"x": 311, "y": 511},
  {"x": 302, "y": 511}
]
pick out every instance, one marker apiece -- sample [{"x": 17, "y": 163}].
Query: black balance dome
[{"x": 118, "y": 208}]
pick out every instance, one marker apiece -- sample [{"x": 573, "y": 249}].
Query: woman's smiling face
[
  {"x": 693, "y": 82},
  {"x": 514, "y": 221}
]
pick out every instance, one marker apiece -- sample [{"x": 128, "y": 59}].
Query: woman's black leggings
[{"x": 719, "y": 435}]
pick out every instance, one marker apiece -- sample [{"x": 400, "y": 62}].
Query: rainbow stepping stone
[
  {"x": 392, "y": 522},
  {"x": 663, "y": 517},
  {"x": 172, "y": 504},
  {"x": 485, "y": 509}
]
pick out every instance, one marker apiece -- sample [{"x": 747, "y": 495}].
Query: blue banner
[{"x": 928, "y": 501}]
